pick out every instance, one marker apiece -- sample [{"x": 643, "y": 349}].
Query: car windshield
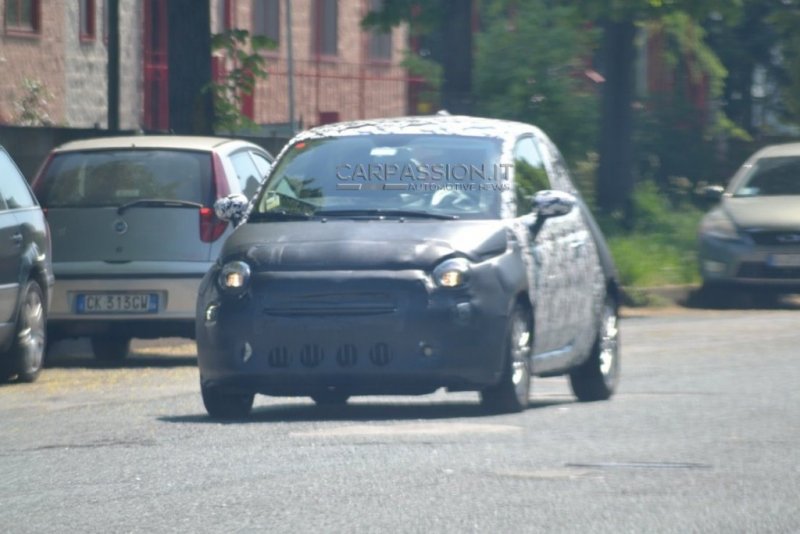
[
  {"x": 771, "y": 177},
  {"x": 118, "y": 177},
  {"x": 444, "y": 176}
]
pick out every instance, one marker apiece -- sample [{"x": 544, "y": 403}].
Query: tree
[
  {"x": 448, "y": 26},
  {"x": 618, "y": 20},
  {"x": 530, "y": 65}
]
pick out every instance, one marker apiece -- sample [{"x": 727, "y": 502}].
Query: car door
[
  {"x": 577, "y": 288},
  {"x": 530, "y": 176},
  {"x": 11, "y": 245}
]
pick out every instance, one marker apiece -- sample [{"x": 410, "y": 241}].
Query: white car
[{"x": 134, "y": 231}]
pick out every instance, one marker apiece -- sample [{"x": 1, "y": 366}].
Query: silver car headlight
[
  {"x": 719, "y": 225},
  {"x": 452, "y": 273},
  {"x": 234, "y": 276}
]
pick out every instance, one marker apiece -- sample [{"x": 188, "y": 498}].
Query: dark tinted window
[
  {"x": 249, "y": 176},
  {"x": 12, "y": 185},
  {"x": 530, "y": 175},
  {"x": 439, "y": 174},
  {"x": 114, "y": 177},
  {"x": 772, "y": 176}
]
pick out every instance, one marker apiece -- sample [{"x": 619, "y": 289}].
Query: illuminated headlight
[
  {"x": 234, "y": 275},
  {"x": 452, "y": 273}
]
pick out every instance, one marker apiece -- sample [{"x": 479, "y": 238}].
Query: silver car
[
  {"x": 752, "y": 238},
  {"x": 134, "y": 231}
]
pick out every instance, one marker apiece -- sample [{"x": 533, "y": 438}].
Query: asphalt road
[{"x": 702, "y": 437}]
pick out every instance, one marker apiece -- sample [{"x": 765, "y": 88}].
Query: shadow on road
[
  {"x": 131, "y": 362},
  {"x": 361, "y": 412},
  {"x": 730, "y": 299},
  {"x": 77, "y": 354}
]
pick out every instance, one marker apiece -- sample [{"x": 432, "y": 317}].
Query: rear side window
[
  {"x": 115, "y": 177},
  {"x": 13, "y": 188},
  {"x": 249, "y": 175}
]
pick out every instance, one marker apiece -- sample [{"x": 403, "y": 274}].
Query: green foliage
[
  {"x": 529, "y": 66},
  {"x": 786, "y": 22},
  {"x": 243, "y": 52},
  {"x": 431, "y": 73},
  {"x": 660, "y": 248},
  {"x": 32, "y": 105}
]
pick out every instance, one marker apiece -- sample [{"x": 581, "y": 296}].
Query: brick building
[{"x": 340, "y": 71}]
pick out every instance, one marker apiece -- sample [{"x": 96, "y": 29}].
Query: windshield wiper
[
  {"x": 278, "y": 215},
  {"x": 379, "y": 212},
  {"x": 157, "y": 202}
]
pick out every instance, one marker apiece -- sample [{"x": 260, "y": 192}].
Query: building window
[
  {"x": 225, "y": 10},
  {"x": 266, "y": 19},
  {"x": 380, "y": 42},
  {"x": 325, "y": 32},
  {"x": 87, "y": 14},
  {"x": 22, "y": 16}
]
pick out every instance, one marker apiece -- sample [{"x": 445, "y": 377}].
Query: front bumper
[
  {"x": 742, "y": 262},
  {"x": 302, "y": 333}
]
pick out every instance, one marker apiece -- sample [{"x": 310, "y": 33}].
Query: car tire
[
  {"x": 110, "y": 349},
  {"x": 511, "y": 393},
  {"x": 224, "y": 405},
  {"x": 597, "y": 378},
  {"x": 330, "y": 398},
  {"x": 26, "y": 357}
]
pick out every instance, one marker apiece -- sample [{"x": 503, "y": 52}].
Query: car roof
[
  {"x": 774, "y": 151},
  {"x": 433, "y": 124},
  {"x": 182, "y": 142}
]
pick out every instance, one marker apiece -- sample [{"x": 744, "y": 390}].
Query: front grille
[
  {"x": 380, "y": 354},
  {"x": 776, "y": 238},
  {"x": 279, "y": 357},
  {"x": 311, "y": 355},
  {"x": 347, "y": 355},
  {"x": 761, "y": 270}
]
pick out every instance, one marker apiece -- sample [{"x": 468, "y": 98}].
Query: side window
[
  {"x": 262, "y": 163},
  {"x": 530, "y": 175},
  {"x": 247, "y": 172},
  {"x": 15, "y": 191}
]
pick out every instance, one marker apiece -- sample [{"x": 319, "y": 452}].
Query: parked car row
[{"x": 133, "y": 233}]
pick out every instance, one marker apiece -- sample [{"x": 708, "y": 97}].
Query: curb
[{"x": 658, "y": 296}]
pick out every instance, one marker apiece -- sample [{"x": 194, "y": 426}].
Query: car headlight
[
  {"x": 234, "y": 276},
  {"x": 717, "y": 224},
  {"x": 452, "y": 273}
]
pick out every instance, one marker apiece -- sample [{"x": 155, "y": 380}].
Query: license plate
[
  {"x": 117, "y": 303},
  {"x": 784, "y": 260}
]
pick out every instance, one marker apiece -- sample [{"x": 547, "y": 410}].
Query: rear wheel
[
  {"x": 512, "y": 393},
  {"x": 26, "y": 357},
  {"x": 330, "y": 398},
  {"x": 110, "y": 349},
  {"x": 224, "y": 405},
  {"x": 597, "y": 378}
]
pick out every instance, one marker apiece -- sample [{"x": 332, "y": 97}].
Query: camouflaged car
[{"x": 401, "y": 256}]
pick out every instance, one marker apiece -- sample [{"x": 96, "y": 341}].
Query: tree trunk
[
  {"x": 191, "y": 109},
  {"x": 457, "y": 57},
  {"x": 615, "y": 171}
]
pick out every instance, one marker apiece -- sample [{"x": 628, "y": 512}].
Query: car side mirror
[
  {"x": 712, "y": 193},
  {"x": 550, "y": 203},
  {"x": 231, "y": 208}
]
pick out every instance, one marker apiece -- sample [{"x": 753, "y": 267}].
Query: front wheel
[
  {"x": 26, "y": 357},
  {"x": 596, "y": 379},
  {"x": 512, "y": 393},
  {"x": 223, "y": 405}
]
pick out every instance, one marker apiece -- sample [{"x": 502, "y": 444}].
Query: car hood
[
  {"x": 778, "y": 212},
  {"x": 362, "y": 245}
]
